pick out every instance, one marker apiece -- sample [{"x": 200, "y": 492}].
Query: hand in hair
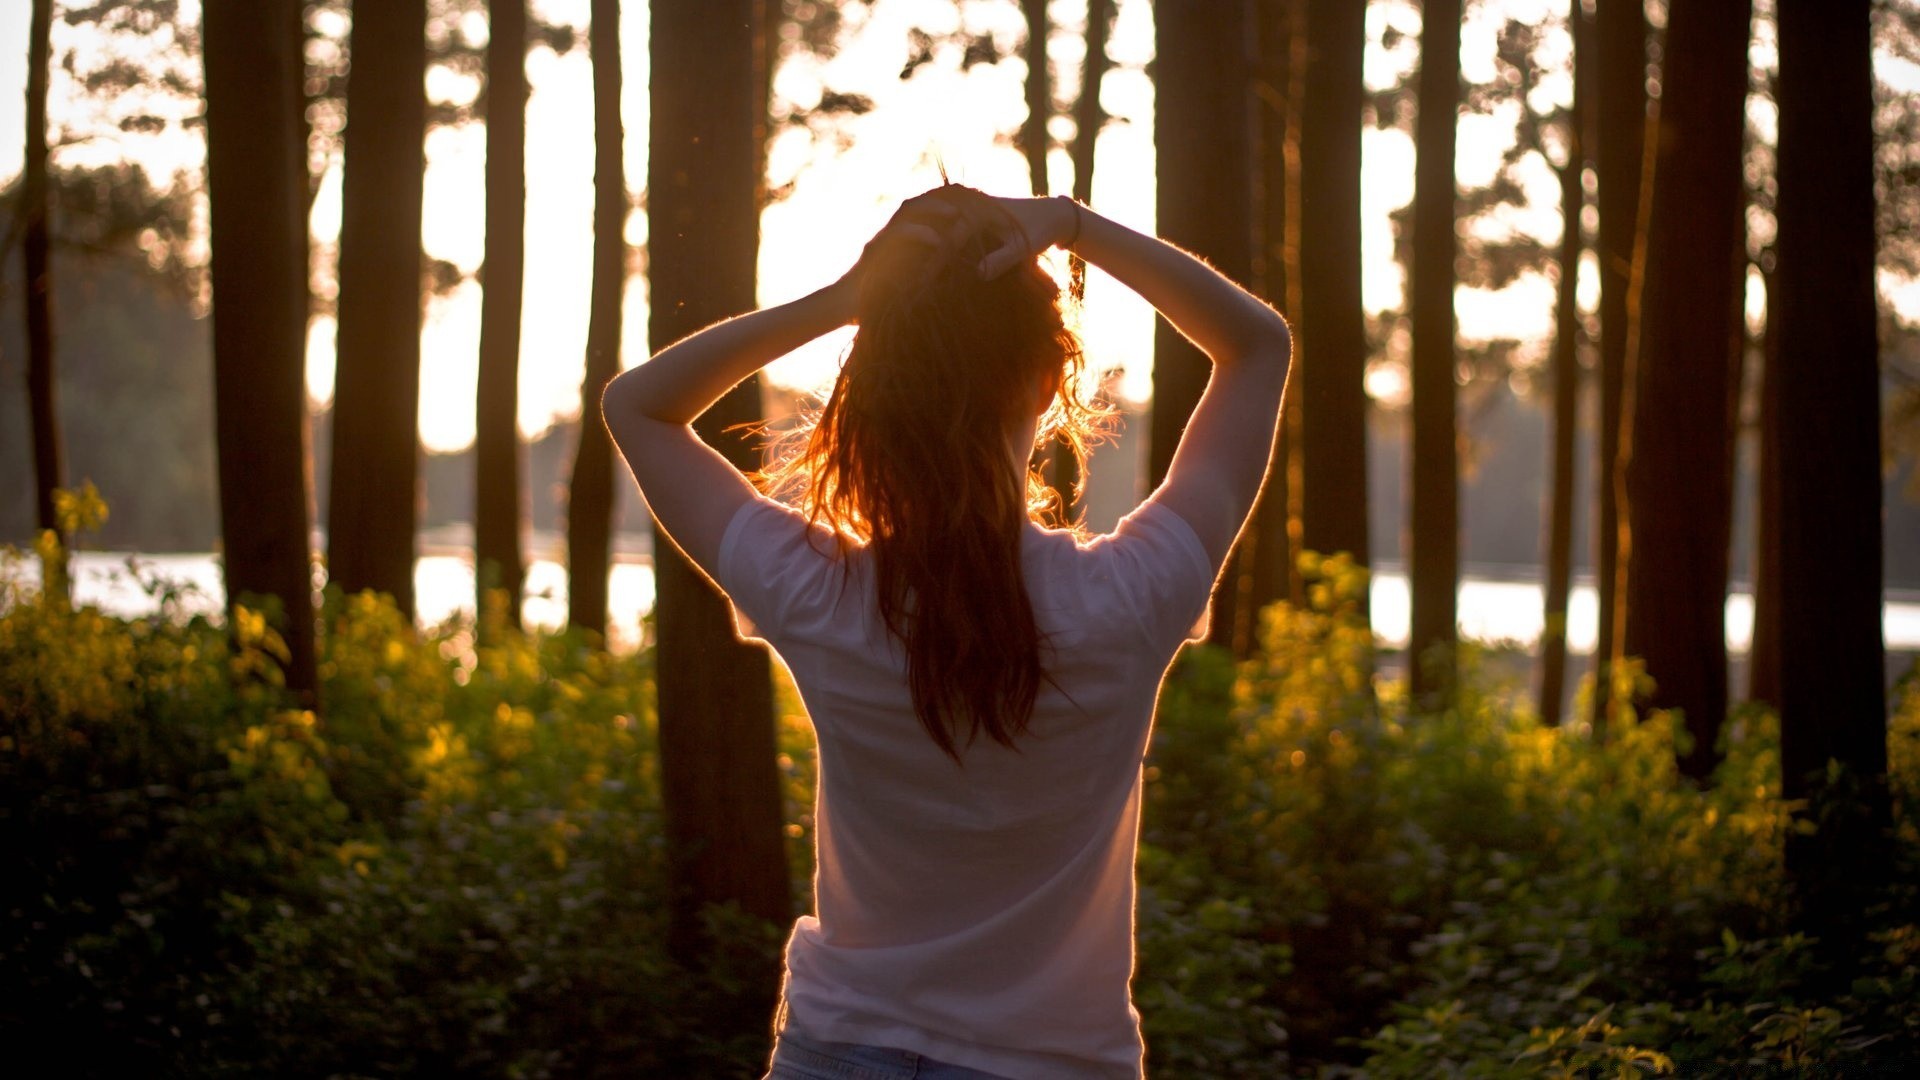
[{"x": 1039, "y": 224}]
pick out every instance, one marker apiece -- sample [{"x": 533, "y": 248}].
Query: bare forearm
[
  {"x": 1224, "y": 320},
  {"x": 683, "y": 380}
]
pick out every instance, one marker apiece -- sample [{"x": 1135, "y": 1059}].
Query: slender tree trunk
[
  {"x": 49, "y": 473},
  {"x": 1566, "y": 396},
  {"x": 1203, "y": 125},
  {"x": 1332, "y": 362},
  {"x": 1057, "y": 465},
  {"x": 499, "y": 504},
  {"x": 719, "y": 784},
  {"x": 1680, "y": 468},
  {"x": 1620, "y": 123},
  {"x": 1434, "y": 562},
  {"x": 1763, "y": 657},
  {"x": 1832, "y": 702},
  {"x": 590, "y": 493},
  {"x": 1034, "y": 140},
  {"x": 1266, "y": 545},
  {"x": 372, "y": 500},
  {"x": 1089, "y": 118},
  {"x": 257, "y": 180}
]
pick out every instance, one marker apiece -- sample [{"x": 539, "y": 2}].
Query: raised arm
[
  {"x": 691, "y": 489},
  {"x": 1222, "y": 457}
]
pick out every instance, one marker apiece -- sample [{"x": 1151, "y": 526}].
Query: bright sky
[{"x": 844, "y": 190}]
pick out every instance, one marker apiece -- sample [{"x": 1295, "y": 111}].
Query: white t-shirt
[{"x": 981, "y": 915}]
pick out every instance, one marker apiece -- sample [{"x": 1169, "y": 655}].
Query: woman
[{"x": 981, "y": 688}]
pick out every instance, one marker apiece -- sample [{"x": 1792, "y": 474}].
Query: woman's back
[
  {"x": 982, "y": 689},
  {"x": 991, "y": 896}
]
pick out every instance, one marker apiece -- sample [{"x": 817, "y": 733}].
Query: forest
[{"x": 302, "y": 829}]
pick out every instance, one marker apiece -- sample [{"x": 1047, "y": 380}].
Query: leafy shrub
[{"x": 457, "y": 867}]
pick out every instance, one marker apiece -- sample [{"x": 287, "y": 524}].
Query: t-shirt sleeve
[
  {"x": 772, "y": 564},
  {"x": 1162, "y": 573}
]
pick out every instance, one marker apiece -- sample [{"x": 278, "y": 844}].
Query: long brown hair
[{"x": 910, "y": 456}]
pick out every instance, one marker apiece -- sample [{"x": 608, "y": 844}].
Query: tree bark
[
  {"x": 1331, "y": 363},
  {"x": 372, "y": 501},
  {"x": 1832, "y": 701},
  {"x": 499, "y": 510},
  {"x": 1267, "y": 573},
  {"x": 257, "y": 184},
  {"x": 719, "y": 783},
  {"x": 1566, "y": 397},
  {"x": 1679, "y": 462},
  {"x": 590, "y": 492},
  {"x": 1034, "y": 139},
  {"x": 1088, "y": 119},
  {"x": 1763, "y": 655},
  {"x": 1057, "y": 464},
  {"x": 49, "y": 471},
  {"x": 1619, "y": 123},
  {"x": 1203, "y": 125},
  {"x": 1434, "y": 517}
]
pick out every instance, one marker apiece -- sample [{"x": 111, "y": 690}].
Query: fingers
[{"x": 1002, "y": 259}]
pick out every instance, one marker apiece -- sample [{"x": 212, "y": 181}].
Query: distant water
[{"x": 1494, "y": 605}]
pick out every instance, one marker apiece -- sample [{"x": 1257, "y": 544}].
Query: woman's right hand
[{"x": 1042, "y": 223}]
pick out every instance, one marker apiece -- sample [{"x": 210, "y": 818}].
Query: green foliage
[
  {"x": 456, "y": 869},
  {"x": 1468, "y": 893}
]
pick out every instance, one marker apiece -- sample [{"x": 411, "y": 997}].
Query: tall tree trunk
[
  {"x": 1057, "y": 465},
  {"x": 1089, "y": 118},
  {"x": 719, "y": 784},
  {"x": 49, "y": 473},
  {"x": 1202, "y": 148},
  {"x": 499, "y": 505},
  {"x": 372, "y": 501},
  {"x": 1680, "y": 467},
  {"x": 1619, "y": 124},
  {"x": 257, "y": 183},
  {"x": 1434, "y": 562},
  {"x": 1566, "y": 393},
  {"x": 1763, "y": 656},
  {"x": 1034, "y": 139},
  {"x": 1832, "y": 705},
  {"x": 590, "y": 492},
  {"x": 1332, "y": 362},
  {"x": 1266, "y": 570}
]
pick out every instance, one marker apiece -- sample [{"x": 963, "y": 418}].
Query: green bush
[{"x": 456, "y": 868}]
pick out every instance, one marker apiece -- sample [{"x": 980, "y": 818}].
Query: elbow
[
  {"x": 617, "y": 398},
  {"x": 1266, "y": 340}
]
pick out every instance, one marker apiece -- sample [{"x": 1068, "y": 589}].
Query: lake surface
[{"x": 1496, "y": 604}]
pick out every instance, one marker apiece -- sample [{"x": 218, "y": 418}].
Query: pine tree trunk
[
  {"x": 1832, "y": 701},
  {"x": 590, "y": 491},
  {"x": 1204, "y": 160},
  {"x": 1763, "y": 656},
  {"x": 1620, "y": 122},
  {"x": 257, "y": 184},
  {"x": 1089, "y": 118},
  {"x": 1057, "y": 465},
  {"x": 1267, "y": 571},
  {"x": 1331, "y": 362},
  {"x": 1566, "y": 400},
  {"x": 1034, "y": 139},
  {"x": 718, "y": 778},
  {"x": 372, "y": 500},
  {"x": 49, "y": 473},
  {"x": 499, "y": 510},
  {"x": 1679, "y": 461},
  {"x": 1434, "y": 518}
]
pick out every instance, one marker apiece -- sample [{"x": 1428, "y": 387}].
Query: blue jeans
[{"x": 797, "y": 1058}]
